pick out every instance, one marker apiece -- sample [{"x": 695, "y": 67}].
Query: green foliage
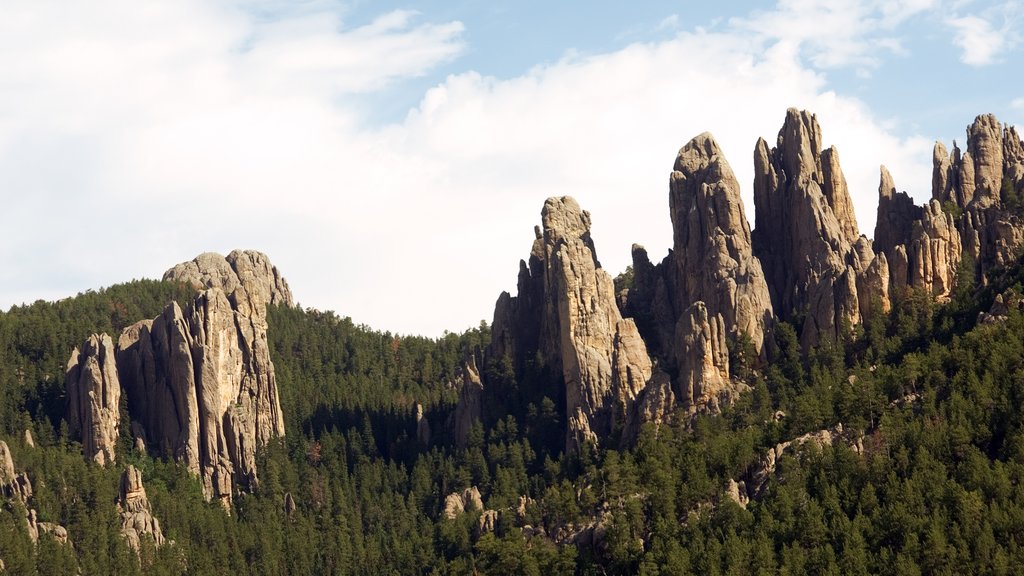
[
  {"x": 624, "y": 281},
  {"x": 925, "y": 480}
]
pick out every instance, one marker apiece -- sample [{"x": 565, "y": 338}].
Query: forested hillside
[
  {"x": 925, "y": 477},
  {"x": 796, "y": 399}
]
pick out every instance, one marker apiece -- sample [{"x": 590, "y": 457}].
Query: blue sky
[{"x": 392, "y": 158}]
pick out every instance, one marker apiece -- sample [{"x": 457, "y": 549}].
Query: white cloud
[
  {"x": 134, "y": 136},
  {"x": 988, "y": 34},
  {"x": 978, "y": 40},
  {"x": 1018, "y": 103},
  {"x": 836, "y": 33}
]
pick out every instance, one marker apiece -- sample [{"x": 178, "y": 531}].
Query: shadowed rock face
[
  {"x": 566, "y": 314},
  {"x": 712, "y": 257},
  {"x": 806, "y": 236},
  {"x": 94, "y": 393}
]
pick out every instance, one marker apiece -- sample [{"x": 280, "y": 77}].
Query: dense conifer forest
[{"x": 924, "y": 477}]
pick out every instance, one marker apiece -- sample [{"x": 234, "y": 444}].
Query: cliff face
[
  {"x": 709, "y": 288},
  {"x": 94, "y": 394},
  {"x": 199, "y": 382},
  {"x": 974, "y": 213},
  {"x": 805, "y": 234},
  {"x": 566, "y": 313}
]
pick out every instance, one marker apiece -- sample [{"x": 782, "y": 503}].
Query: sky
[{"x": 392, "y": 158}]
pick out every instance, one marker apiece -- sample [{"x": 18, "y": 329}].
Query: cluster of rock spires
[
  {"x": 629, "y": 358},
  {"x": 199, "y": 382}
]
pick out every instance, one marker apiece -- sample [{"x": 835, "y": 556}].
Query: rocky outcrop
[
  {"x": 422, "y": 427},
  {"x": 710, "y": 272},
  {"x": 655, "y": 404},
  {"x": 806, "y": 234},
  {"x": 137, "y": 519},
  {"x": 565, "y": 314},
  {"x": 469, "y": 409},
  {"x": 247, "y": 277},
  {"x": 199, "y": 382},
  {"x": 459, "y": 502},
  {"x": 1001, "y": 307},
  {"x": 974, "y": 216},
  {"x": 703, "y": 382},
  {"x": 712, "y": 258},
  {"x": 94, "y": 393},
  {"x": 764, "y": 469}
]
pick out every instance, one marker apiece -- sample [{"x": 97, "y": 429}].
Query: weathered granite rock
[
  {"x": 289, "y": 506},
  {"x": 566, "y": 316},
  {"x": 762, "y": 470},
  {"x": 247, "y": 277},
  {"x": 28, "y": 440},
  {"x": 487, "y": 523},
  {"x": 94, "y": 392},
  {"x": 975, "y": 213},
  {"x": 200, "y": 382},
  {"x": 7, "y": 473},
  {"x": 15, "y": 486},
  {"x": 704, "y": 376},
  {"x": 806, "y": 233},
  {"x": 934, "y": 252},
  {"x": 422, "y": 427},
  {"x": 137, "y": 519},
  {"x": 985, "y": 150},
  {"x": 1001, "y": 307},
  {"x": 458, "y": 502},
  {"x": 711, "y": 254},
  {"x": 470, "y": 406},
  {"x": 655, "y": 404}
]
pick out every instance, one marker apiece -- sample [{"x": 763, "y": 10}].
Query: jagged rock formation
[
  {"x": 422, "y": 427},
  {"x": 200, "y": 384},
  {"x": 708, "y": 289},
  {"x": 761, "y": 471},
  {"x": 247, "y": 277},
  {"x": 458, "y": 502},
  {"x": 704, "y": 380},
  {"x": 137, "y": 520},
  {"x": 712, "y": 260},
  {"x": 806, "y": 237},
  {"x": 470, "y": 407},
  {"x": 974, "y": 213},
  {"x": 1001, "y": 307},
  {"x": 94, "y": 393},
  {"x": 987, "y": 186},
  {"x": 566, "y": 314}
]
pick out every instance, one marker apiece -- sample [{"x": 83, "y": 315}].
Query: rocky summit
[
  {"x": 792, "y": 397},
  {"x": 566, "y": 314},
  {"x": 668, "y": 341},
  {"x": 199, "y": 381}
]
